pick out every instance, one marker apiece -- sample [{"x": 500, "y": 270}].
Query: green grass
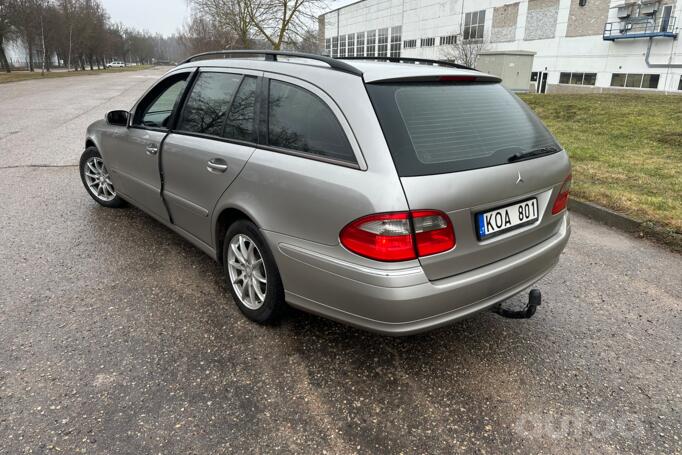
[
  {"x": 17, "y": 76},
  {"x": 626, "y": 150}
]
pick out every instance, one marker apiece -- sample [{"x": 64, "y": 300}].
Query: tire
[
  {"x": 260, "y": 302},
  {"x": 94, "y": 173}
]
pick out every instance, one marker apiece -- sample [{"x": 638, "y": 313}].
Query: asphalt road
[{"x": 119, "y": 337}]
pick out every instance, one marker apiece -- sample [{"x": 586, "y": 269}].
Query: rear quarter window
[
  {"x": 435, "y": 128},
  {"x": 299, "y": 120}
]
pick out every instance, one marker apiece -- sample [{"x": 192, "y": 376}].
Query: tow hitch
[{"x": 534, "y": 301}]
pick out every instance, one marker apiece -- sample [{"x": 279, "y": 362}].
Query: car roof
[{"x": 371, "y": 71}]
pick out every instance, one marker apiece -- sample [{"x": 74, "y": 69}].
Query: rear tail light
[
  {"x": 562, "y": 199},
  {"x": 399, "y": 236}
]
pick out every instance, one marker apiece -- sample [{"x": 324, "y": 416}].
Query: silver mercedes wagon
[{"x": 396, "y": 195}]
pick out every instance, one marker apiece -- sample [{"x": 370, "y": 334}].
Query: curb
[{"x": 627, "y": 224}]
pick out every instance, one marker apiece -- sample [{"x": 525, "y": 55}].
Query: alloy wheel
[
  {"x": 98, "y": 180},
  {"x": 247, "y": 271}
]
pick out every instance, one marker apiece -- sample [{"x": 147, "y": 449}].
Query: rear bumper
[{"x": 403, "y": 302}]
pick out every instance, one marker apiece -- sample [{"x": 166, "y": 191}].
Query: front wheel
[
  {"x": 96, "y": 179},
  {"x": 251, "y": 273}
]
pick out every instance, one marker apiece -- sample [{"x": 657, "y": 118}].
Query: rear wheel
[
  {"x": 251, "y": 273},
  {"x": 96, "y": 179}
]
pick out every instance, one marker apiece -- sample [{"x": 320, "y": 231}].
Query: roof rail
[
  {"x": 411, "y": 60},
  {"x": 272, "y": 56}
]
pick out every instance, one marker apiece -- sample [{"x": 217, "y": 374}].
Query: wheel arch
[
  {"x": 227, "y": 217},
  {"x": 89, "y": 142}
]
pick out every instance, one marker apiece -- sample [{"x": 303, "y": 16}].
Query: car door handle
[
  {"x": 152, "y": 149},
  {"x": 216, "y": 165}
]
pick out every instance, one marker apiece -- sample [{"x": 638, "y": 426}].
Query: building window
[
  {"x": 578, "y": 78},
  {"x": 618, "y": 80},
  {"x": 396, "y": 38},
  {"x": 342, "y": 46},
  {"x": 650, "y": 81},
  {"x": 410, "y": 44},
  {"x": 360, "y": 44},
  {"x": 446, "y": 40},
  {"x": 350, "y": 41},
  {"x": 328, "y": 46},
  {"x": 632, "y": 80},
  {"x": 428, "y": 42},
  {"x": 382, "y": 42},
  {"x": 371, "y": 43},
  {"x": 534, "y": 76},
  {"x": 335, "y": 46},
  {"x": 474, "y": 25}
]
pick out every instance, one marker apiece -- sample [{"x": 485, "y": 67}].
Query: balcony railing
[{"x": 641, "y": 27}]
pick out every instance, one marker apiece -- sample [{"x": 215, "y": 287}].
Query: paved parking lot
[{"x": 119, "y": 337}]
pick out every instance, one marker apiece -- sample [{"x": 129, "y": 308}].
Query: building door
[{"x": 542, "y": 83}]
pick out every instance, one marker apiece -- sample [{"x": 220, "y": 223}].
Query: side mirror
[{"x": 117, "y": 118}]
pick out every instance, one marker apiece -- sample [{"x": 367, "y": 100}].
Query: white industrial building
[{"x": 579, "y": 45}]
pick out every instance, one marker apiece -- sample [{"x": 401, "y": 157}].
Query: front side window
[
  {"x": 156, "y": 108},
  {"x": 207, "y": 105},
  {"x": 298, "y": 120}
]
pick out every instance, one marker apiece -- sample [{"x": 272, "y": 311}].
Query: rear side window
[
  {"x": 240, "y": 119},
  {"x": 206, "y": 108},
  {"x": 299, "y": 120},
  {"x": 435, "y": 128}
]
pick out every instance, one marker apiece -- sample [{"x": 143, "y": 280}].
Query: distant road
[{"x": 44, "y": 121}]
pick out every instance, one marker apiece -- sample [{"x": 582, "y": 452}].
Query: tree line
[
  {"x": 81, "y": 35},
  {"x": 78, "y": 32}
]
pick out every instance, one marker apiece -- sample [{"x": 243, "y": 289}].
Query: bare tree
[
  {"x": 465, "y": 52},
  {"x": 282, "y": 22},
  {"x": 6, "y": 34},
  {"x": 24, "y": 15},
  {"x": 309, "y": 42},
  {"x": 230, "y": 16},
  {"x": 200, "y": 34}
]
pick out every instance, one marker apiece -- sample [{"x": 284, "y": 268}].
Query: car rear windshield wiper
[{"x": 533, "y": 154}]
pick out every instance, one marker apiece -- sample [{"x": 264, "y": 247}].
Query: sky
[
  {"x": 165, "y": 16},
  {"x": 156, "y": 16}
]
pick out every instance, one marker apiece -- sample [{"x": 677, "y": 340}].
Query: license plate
[{"x": 498, "y": 221}]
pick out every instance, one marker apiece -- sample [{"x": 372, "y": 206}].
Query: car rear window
[{"x": 436, "y": 128}]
